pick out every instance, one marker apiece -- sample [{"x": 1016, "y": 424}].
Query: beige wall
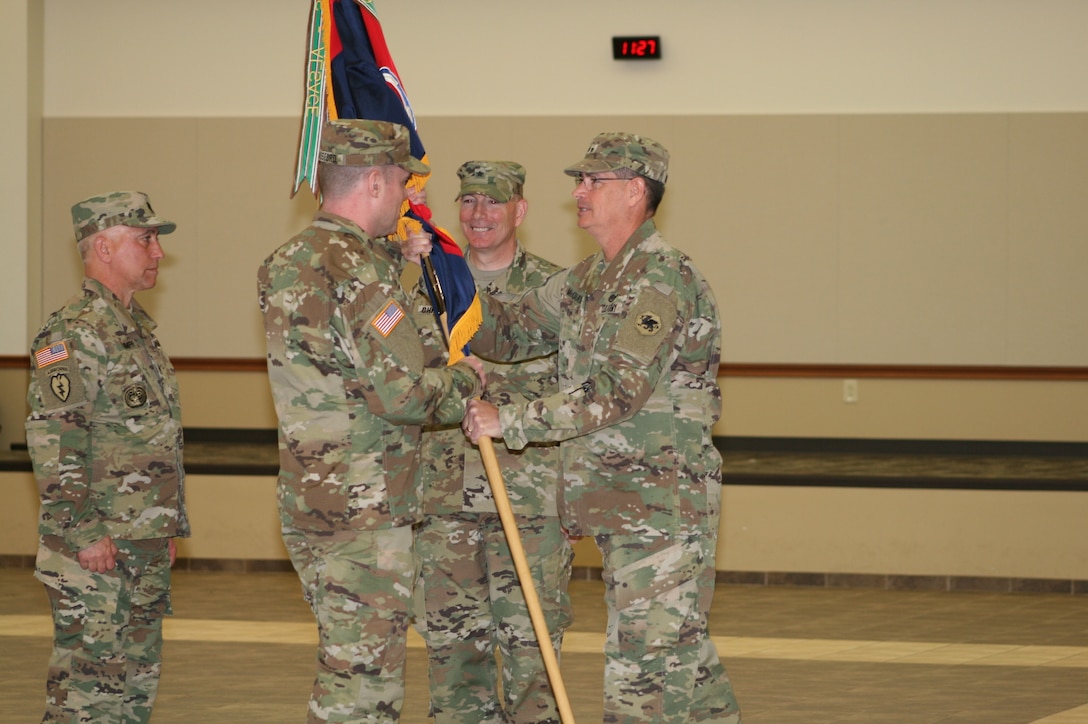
[
  {"x": 904, "y": 532},
  {"x": 854, "y": 239},
  {"x": 226, "y": 182},
  {"x": 766, "y": 407},
  {"x": 833, "y": 239},
  {"x": 793, "y": 530},
  {"x": 13, "y": 409},
  {"x": 21, "y": 63},
  {"x": 19, "y": 516},
  {"x": 754, "y": 407},
  {"x": 879, "y": 182},
  {"x": 488, "y": 58},
  {"x": 916, "y": 409}
]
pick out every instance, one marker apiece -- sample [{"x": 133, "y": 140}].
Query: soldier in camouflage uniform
[
  {"x": 471, "y": 599},
  {"x": 638, "y": 336},
  {"x": 346, "y": 366},
  {"x": 105, "y": 436}
]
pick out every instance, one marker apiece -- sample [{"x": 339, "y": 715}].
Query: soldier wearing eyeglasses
[{"x": 637, "y": 332}]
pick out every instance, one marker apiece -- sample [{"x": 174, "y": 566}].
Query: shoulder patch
[
  {"x": 648, "y": 323},
  {"x": 60, "y": 386},
  {"x": 51, "y": 354},
  {"x": 649, "y": 320},
  {"x": 388, "y": 318}
]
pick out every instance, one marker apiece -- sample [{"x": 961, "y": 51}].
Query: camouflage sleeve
[
  {"x": 388, "y": 356},
  {"x": 626, "y": 364},
  {"x": 523, "y": 328},
  {"x": 58, "y": 435}
]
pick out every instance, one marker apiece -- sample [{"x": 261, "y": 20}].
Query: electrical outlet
[{"x": 850, "y": 391}]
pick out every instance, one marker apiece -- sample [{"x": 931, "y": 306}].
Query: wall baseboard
[
  {"x": 897, "y": 582},
  {"x": 872, "y": 446},
  {"x": 725, "y": 369}
]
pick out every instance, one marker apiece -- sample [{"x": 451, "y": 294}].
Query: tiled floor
[{"x": 240, "y": 649}]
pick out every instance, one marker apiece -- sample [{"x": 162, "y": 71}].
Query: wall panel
[
  {"x": 1048, "y": 238},
  {"x": 827, "y": 239}
]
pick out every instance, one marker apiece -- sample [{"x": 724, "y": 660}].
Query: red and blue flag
[{"x": 351, "y": 74}]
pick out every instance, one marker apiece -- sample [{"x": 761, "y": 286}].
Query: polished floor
[{"x": 240, "y": 648}]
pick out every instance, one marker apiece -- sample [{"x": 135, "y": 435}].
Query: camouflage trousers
[
  {"x": 359, "y": 586},
  {"x": 660, "y": 663},
  {"x": 107, "y": 633},
  {"x": 472, "y": 604}
]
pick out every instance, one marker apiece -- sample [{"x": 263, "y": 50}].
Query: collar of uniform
[
  {"x": 643, "y": 232},
  {"x": 333, "y": 222},
  {"x": 619, "y": 261},
  {"x": 392, "y": 247},
  {"x": 517, "y": 261},
  {"x": 131, "y": 319}
]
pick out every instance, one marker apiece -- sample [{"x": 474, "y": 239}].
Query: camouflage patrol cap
[
  {"x": 500, "y": 180},
  {"x": 615, "y": 150},
  {"x": 127, "y": 208},
  {"x": 359, "y": 142}
]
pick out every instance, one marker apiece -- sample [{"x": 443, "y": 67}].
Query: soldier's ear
[
  {"x": 101, "y": 248},
  {"x": 373, "y": 181}
]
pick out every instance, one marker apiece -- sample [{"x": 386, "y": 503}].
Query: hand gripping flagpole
[{"x": 513, "y": 537}]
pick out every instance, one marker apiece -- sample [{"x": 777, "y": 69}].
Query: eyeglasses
[{"x": 592, "y": 181}]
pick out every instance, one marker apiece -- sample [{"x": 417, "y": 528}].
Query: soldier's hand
[
  {"x": 415, "y": 246},
  {"x": 481, "y": 420},
  {"x": 99, "y": 557},
  {"x": 173, "y": 545}
]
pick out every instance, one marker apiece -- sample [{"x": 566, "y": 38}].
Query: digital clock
[{"x": 636, "y": 47}]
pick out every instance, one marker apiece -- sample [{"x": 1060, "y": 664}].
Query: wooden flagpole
[
  {"x": 513, "y": 539},
  {"x": 528, "y": 588}
]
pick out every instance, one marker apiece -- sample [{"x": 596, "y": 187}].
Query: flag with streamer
[{"x": 351, "y": 74}]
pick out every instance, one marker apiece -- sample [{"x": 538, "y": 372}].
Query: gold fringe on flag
[{"x": 467, "y": 326}]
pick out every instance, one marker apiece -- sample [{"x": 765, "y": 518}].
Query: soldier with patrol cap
[
  {"x": 472, "y": 602},
  {"x": 105, "y": 437},
  {"x": 346, "y": 366},
  {"x": 638, "y": 337}
]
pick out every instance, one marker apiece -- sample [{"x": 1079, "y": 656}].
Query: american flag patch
[
  {"x": 388, "y": 318},
  {"x": 52, "y": 353}
]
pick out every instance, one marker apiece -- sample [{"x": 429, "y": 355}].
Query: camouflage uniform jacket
[
  {"x": 104, "y": 430},
  {"x": 453, "y": 472},
  {"x": 639, "y": 346},
  {"x": 345, "y": 362}
]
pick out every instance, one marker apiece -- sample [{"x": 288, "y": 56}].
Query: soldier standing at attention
[
  {"x": 472, "y": 599},
  {"x": 105, "y": 436},
  {"x": 638, "y": 336},
  {"x": 345, "y": 362}
]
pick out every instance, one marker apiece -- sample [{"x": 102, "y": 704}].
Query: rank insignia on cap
[
  {"x": 388, "y": 318},
  {"x": 53, "y": 353}
]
